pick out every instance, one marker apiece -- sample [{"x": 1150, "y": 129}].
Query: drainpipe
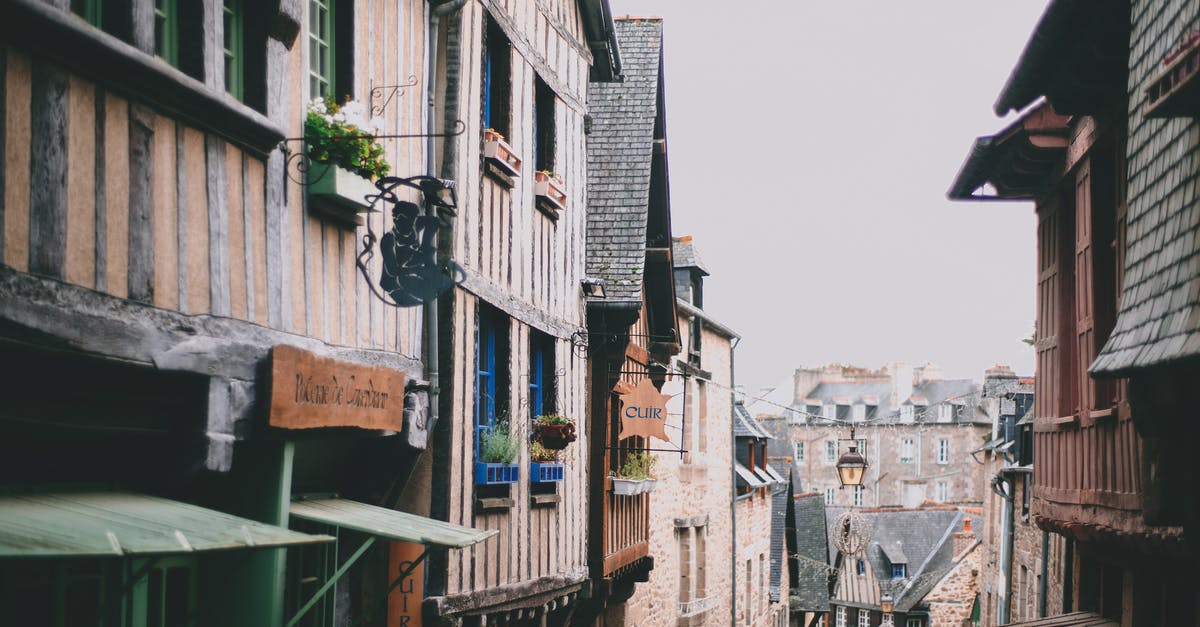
[
  {"x": 733, "y": 560},
  {"x": 1006, "y": 549},
  {"x": 1045, "y": 584}
]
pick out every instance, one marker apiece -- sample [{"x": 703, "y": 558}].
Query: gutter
[{"x": 712, "y": 324}]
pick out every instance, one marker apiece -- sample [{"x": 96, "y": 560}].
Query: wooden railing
[
  {"x": 626, "y": 529},
  {"x": 1096, "y": 463}
]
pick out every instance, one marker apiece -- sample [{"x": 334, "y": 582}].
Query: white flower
[{"x": 317, "y": 105}]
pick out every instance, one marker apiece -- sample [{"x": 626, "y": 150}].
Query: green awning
[
  {"x": 107, "y": 524},
  {"x": 388, "y": 523}
]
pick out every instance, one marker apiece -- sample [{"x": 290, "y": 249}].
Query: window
[
  {"x": 943, "y": 451},
  {"x": 906, "y": 413},
  {"x": 860, "y": 567},
  {"x": 821, "y": 621},
  {"x": 812, "y": 411},
  {"x": 543, "y": 133},
  {"x": 491, "y": 381},
  {"x": 906, "y": 451},
  {"x": 330, "y": 29},
  {"x": 166, "y": 30},
  {"x": 943, "y": 412},
  {"x": 170, "y": 592},
  {"x": 912, "y": 622},
  {"x": 89, "y": 10},
  {"x": 541, "y": 374},
  {"x": 860, "y": 412},
  {"x": 232, "y": 47},
  {"x": 829, "y": 493},
  {"x": 898, "y": 571},
  {"x": 858, "y": 496},
  {"x": 827, "y": 412},
  {"x": 864, "y": 618},
  {"x": 889, "y": 620},
  {"x": 943, "y": 492},
  {"x": 799, "y": 456},
  {"x": 843, "y": 412},
  {"x": 830, "y": 451},
  {"x": 872, "y": 411},
  {"x": 841, "y": 617},
  {"x": 684, "y": 537},
  {"x": 497, "y": 82}
]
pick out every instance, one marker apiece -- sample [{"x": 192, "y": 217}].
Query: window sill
[
  {"x": 544, "y": 500},
  {"x": 116, "y": 65}
]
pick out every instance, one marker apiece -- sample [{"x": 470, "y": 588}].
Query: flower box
[
  {"x": 493, "y": 473},
  {"x": 549, "y": 194},
  {"x": 545, "y": 472},
  {"x": 498, "y": 152},
  {"x": 554, "y": 436},
  {"x": 631, "y": 487},
  {"x": 339, "y": 192}
]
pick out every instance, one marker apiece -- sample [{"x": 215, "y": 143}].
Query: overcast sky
[{"x": 811, "y": 145}]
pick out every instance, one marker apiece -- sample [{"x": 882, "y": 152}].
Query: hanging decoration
[
  {"x": 643, "y": 410},
  {"x": 853, "y": 532}
]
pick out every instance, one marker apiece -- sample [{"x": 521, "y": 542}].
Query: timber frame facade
[
  {"x": 1105, "y": 153},
  {"x": 162, "y": 255}
]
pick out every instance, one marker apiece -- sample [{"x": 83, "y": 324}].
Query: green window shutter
[
  {"x": 234, "y": 24},
  {"x": 89, "y": 10},
  {"x": 321, "y": 47},
  {"x": 166, "y": 30}
]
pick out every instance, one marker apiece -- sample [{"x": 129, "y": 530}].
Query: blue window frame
[
  {"x": 860, "y": 567},
  {"x": 497, "y": 80},
  {"x": 491, "y": 380},
  {"x": 898, "y": 571},
  {"x": 541, "y": 374}
]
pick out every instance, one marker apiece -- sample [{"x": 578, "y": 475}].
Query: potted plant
[
  {"x": 548, "y": 191},
  {"x": 499, "y": 153},
  {"x": 554, "y": 431},
  {"x": 544, "y": 465},
  {"x": 497, "y": 452},
  {"x": 636, "y": 475},
  {"x": 343, "y": 156}
]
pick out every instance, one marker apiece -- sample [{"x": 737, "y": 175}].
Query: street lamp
[
  {"x": 851, "y": 466},
  {"x": 886, "y": 603}
]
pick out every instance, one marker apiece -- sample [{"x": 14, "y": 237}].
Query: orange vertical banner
[{"x": 404, "y": 601}]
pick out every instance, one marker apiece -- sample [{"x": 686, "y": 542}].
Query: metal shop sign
[
  {"x": 643, "y": 410},
  {"x": 309, "y": 391}
]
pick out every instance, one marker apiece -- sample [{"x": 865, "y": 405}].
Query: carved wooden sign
[
  {"x": 643, "y": 410},
  {"x": 309, "y": 391}
]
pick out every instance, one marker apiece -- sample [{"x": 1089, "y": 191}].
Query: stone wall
[
  {"x": 888, "y": 476},
  {"x": 690, "y": 515},
  {"x": 754, "y": 557},
  {"x": 952, "y": 599}
]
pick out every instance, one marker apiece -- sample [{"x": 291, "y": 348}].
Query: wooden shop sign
[
  {"x": 309, "y": 391},
  {"x": 643, "y": 410}
]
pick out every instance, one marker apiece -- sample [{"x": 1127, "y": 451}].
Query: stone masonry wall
[
  {"x": 951, "y": 600},
  {"x": 888, "y": 475},
  {"x": 694, "y": 492},
  {"x": 753, "y": 557}
]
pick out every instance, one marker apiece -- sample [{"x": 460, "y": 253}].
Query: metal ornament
[
  {"x": 410, "y": 274},
  {"x": 854, "y": 532}
]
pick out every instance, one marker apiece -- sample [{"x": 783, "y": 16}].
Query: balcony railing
[
  {"x": 696, "y": 606},
  {"x": 626, "y": 529}
]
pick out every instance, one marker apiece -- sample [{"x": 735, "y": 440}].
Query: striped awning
[{"x": 106, "y": 524}]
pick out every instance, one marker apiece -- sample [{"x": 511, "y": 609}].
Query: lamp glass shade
[
  {"x": 851, "y": 467},
  {"x": 886, "y": 603}
]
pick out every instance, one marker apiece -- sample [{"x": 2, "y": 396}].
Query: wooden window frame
[
  {"x": 322, "y": 83},
  {"x": 92, "y": 11},
  {"x": 166, "y": 30},
  {"x": 545, "y": 125},
  {"x": 491, "y": 371},
  {"x": 233, "y": 47},
  {"x": 542, "y": 368},
  {"x": 798, "y": 451},
  {"x": 497, "y": 80}
]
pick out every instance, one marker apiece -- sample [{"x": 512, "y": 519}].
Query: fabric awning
[
  {"x": 388, "y": 523},
  {"x": 106, "y": 524},
  {"x": 1074, "y": 619},
  {"x": 748, "y": 476}
]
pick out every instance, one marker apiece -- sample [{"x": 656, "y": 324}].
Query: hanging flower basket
[
  {"x": 553, "y": 434},
  {"x": 632, "y": 487}
]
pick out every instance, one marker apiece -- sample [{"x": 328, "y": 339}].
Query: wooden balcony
[
  {"x": 626, "y": 529},
  {"x": 1088, "y": 472}
]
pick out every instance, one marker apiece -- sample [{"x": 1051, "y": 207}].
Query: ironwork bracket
[{"x": 386, "y": 93}]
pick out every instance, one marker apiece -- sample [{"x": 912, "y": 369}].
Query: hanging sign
[
  {"x": 643, "y": 410},
  {"x": 309, "y": 391}
]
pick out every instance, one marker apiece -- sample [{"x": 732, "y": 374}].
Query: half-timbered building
[{"x": 1104, "y": 146}]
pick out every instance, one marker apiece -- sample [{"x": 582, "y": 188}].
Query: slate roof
[
  {"x": 781, "y": 497},
  {"x": 744, "y": 425},
  {"x": 958, "y": 391},
  {"x": 686, "y": 255},
  {"x": 619, "y": 155},
  {"x": 811, "y": 593},
  {"x": 924, "y": 537}
]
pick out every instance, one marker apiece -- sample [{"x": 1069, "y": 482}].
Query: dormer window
[
  {"x": 944, "y": 412},
  {"x": 872, "y": 410},
  {"x": 906, "y": 413},
  {"x": 898, "y": 571},
  {"x": 843, "y": 412},
  {"x": 860, "y": 412}
]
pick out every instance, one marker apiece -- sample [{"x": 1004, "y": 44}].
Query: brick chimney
[{"x": 964, "y": 538}]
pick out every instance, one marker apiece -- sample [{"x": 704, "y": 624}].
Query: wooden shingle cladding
[{"x": 526, "y": 268}]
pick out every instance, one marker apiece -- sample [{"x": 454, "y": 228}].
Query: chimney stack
[
  {"x": 902, "y": 384},
  {"x": 964, "y": 538}
]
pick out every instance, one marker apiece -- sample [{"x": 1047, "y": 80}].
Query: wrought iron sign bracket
[
  {"x": 295, "y": 159},
  {"x": 385, "y": 94}
]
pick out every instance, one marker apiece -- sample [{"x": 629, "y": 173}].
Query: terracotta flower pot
[{"x": 555, "y": 436}]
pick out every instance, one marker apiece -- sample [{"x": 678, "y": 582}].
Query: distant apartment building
[{"x": 915, "y": 428}]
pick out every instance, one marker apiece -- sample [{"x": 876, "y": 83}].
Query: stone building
[
  {"x": 755, "y": 510},
  {"x": 691, "y": 524},
  {"x": 915, "y": 428}
]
